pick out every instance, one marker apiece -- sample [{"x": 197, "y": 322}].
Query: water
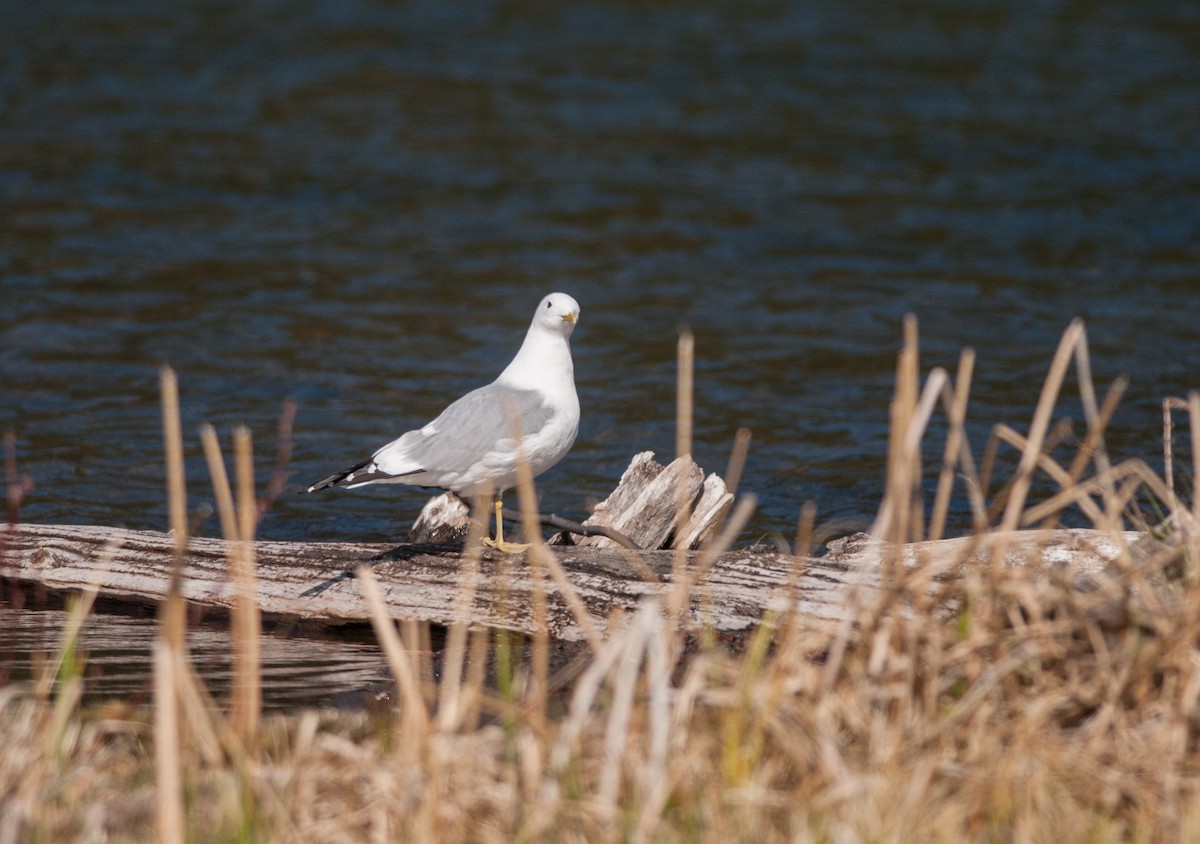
[
  {"x": 356, "y": 205},
  {"x": 115, "y": 653}
]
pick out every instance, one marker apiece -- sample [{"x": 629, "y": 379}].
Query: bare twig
[{"x": 560, "y": 523}]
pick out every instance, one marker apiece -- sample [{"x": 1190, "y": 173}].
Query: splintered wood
[
  {"x": 643, "y": 508},
  {"x": 645, "y": 503}
]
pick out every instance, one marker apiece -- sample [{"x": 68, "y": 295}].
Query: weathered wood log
[
  {"x": 315, "y": 581},
  {"x": 643, "y": 508},
  {"x": 443, "y": 520},
  {"x": 645, "y": 503},
  {"x": 1079, "y": 550},
  {"x": 446, "y": 519}
]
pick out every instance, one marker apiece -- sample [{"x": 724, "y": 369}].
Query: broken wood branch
[{"x": 639, "y": 514}]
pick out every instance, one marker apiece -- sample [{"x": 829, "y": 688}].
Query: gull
[{"x": 471, "y": 446}]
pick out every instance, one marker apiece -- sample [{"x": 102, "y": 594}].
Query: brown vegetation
[{"x": 960, "y": 702}]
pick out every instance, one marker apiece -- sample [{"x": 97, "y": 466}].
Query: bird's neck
[{"x": 544, "y": 355}]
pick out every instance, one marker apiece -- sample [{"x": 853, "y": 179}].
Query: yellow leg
[{"x": 498, "y": 543}]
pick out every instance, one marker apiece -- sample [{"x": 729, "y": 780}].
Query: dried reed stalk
[
  {"x": 1040, "y": 424},
  {"x": 238, "y": 524},
  {"x": 1092, "y": 446},
  {"x": 538, "y": 567},
  {"x": 247, "y": 659},
  {"x": 737, "y": 460},
  {"x": 684, "y": 402},
  {"x": 546, "y": 561},
  {"x": 81, "y": 610},
  {"x": 414, "y": 715},
  {"x": 1194, "y": 415},
  {"x": 955, "y": 436},
  {"x": 1168, "y": 424},
  {"x": 169, "y": 646},
  {"x": 450, "y": 698},
  {"x": 1012, "y": 706}
]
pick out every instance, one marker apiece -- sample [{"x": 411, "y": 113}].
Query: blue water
[{"x": 356, "y": 205}]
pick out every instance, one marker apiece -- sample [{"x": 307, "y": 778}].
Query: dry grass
[{"x": 1005, "y": 704}]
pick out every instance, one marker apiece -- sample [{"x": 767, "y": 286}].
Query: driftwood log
[
  {"x": 642, "y": 510},
  {"x": 315, "y": 581}
]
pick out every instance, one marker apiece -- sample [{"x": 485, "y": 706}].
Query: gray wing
[{"x": 465, "y": 431}]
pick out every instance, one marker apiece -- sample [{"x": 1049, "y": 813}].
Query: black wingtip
[{"x": 336, "y": 478}]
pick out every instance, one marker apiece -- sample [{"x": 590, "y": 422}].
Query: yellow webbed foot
[
  {"x": 506, "y": 547},
  {"x": 498, "y": 543}
]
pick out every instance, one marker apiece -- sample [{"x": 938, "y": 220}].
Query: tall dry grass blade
[
  {"x": 569, "y": 739},
  {"x": 1092, "y": 448},
  {"x": 1132, "y": 467},
  {"x": 1001, "y": 433},
  {"x": 80, "y": 611},
  {"x": 168, "y": 762},
  {"x": 283, "y": 456},
  {"x": 900, "y": 515},
  {"x": 66, "y": 667},
  {"x": 913, "y": 524},
  {"x": 1172, "y": 501},
  {"x": 624, "y": 686},
  {"x": 11, "y": 487},
  {"x": 410, "y": 640},
  {"x": 684, "y": 403},
  {"x": 686, "y": 579},
  {"x": 414, "y": 716},
  {"x": 791, "y": 594},
  {"x": 1194, "y": 419},
  {"x": 173, "y": 445},
  {"x": 685, "y": 359},
  {"x": 656, "y": 781},
  {"x": 587, "y": 687},
  {"x": 247, "y": 625},
  {"x": 247, "y": 503},
  {"x": 987, "y": 465},
  {"x": 545, "y": 557},
  {"x": 729, "y": 532},
  {"x": 197, "y": 713},
  {"x": 972, "y": 482},
  {"x": 172, "y": 623},
  {"x": 1087, "y": 396},
  {"x": 955, "y": 435},
  {"x": 907, "y": 479},
  {"x": 425, "y": 663},
  {"x": 896, "y": 510},
  {"x": 238, "y": 521},
  {"x": 169, "y": 644},
  {"x": 805, "y": 524},
  {"x": 450, "y": 711},
  {"x": 222, "y": 492},
  {"x": 473, "y": 690},
  {"x": 1040, "y": 424},
  {"x": 16, "y": 485},
  {"x": 737, "y": 460},
  {"x": 1056, "y": 473},
  {"x": 934, "y": 386},
  {"x": 246, "y": 696},
  {"x": 569, "y": 594},
  {"x": 538, "y": 566},
  {"x": 1088, "y": 449}
]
